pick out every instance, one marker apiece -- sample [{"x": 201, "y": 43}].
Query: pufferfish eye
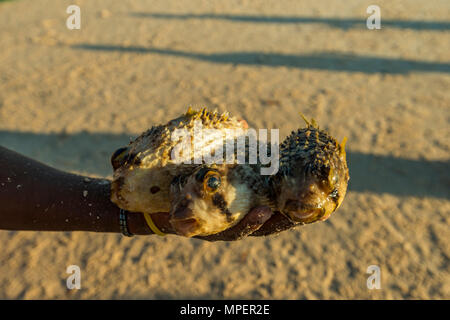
[{"x": 212, "y": 181}]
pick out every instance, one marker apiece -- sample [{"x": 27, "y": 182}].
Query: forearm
[{"x": 36, "y": 197}]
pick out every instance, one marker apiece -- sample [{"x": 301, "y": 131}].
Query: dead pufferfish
[
  {"x": 313, "y": 177},
  {"x": 148, "y": 179}
]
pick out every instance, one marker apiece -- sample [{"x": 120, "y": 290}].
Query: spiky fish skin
[{"x": 311, "y": 149}]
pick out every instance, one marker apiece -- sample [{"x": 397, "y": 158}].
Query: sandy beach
[{"x": 69, "y": 98}]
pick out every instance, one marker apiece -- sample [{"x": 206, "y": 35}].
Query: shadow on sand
[
  {"x": 90, "y": 153},
  {"x": 333, "y": 61},
  {"x": 342, "y": 23}
]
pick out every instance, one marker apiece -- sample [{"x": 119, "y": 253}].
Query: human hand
[
  {"x": 260, "y": 221},
  {"x": 253, "y": 221}
]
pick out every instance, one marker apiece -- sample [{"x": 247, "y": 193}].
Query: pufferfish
[
  {"x": 215, "y": 197},
  {"x": 313, "y": 177},
  {"x": 147, "y": 178}
]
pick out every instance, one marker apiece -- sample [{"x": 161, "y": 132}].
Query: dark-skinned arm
[{"x": 34, "y": 196}]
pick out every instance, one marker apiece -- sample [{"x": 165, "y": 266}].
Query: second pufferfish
[{"x": 208, "y": 198}]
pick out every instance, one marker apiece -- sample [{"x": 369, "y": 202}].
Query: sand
[{"x": 69, "y": 98}]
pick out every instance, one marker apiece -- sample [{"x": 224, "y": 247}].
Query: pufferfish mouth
[
  {"x": 183, "y": 221},
  {"x": 300, "y": 212}
]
